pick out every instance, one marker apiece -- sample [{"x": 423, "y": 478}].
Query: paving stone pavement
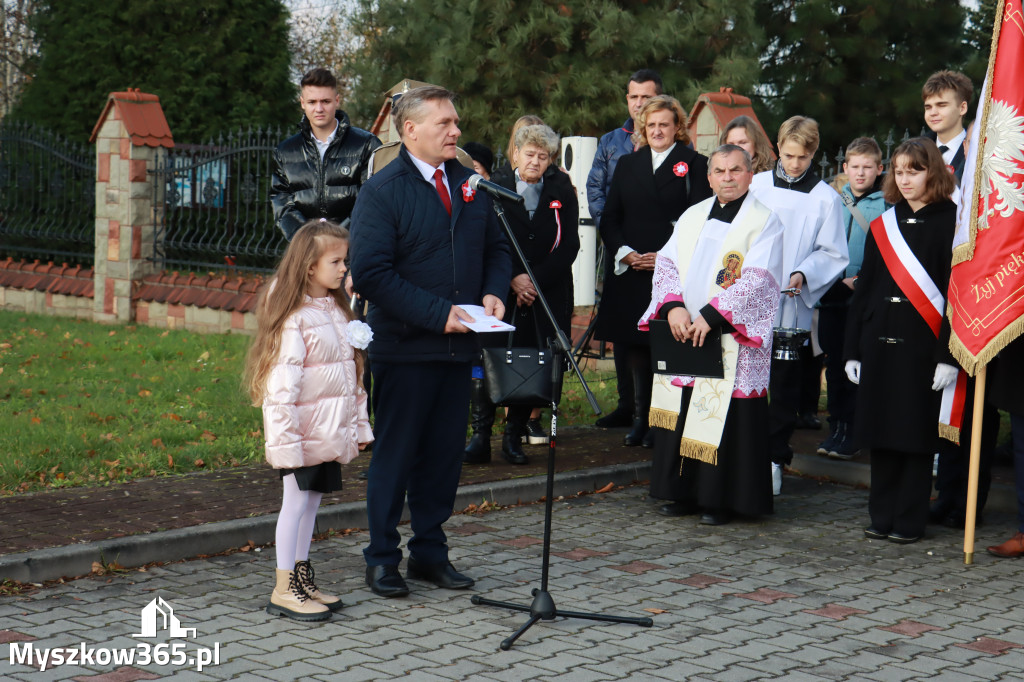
[{"x": 801, "y": 595}]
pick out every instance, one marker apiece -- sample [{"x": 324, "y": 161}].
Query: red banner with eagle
[{"x": 986, "y": 285}]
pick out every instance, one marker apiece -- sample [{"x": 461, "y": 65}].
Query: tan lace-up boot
[
  {"x": 304, "y": 572},
  {"x": 291, "y": 601}
]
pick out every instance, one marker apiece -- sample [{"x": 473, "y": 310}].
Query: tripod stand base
[{"x": 543, "y": 608}]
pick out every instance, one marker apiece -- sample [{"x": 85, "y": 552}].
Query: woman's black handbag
[{"x": 518, "y": 376}]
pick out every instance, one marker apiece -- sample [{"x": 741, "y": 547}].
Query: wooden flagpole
[{"x": 970, "y": 517}]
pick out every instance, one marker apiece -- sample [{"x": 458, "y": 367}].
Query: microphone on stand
[{"x": 477, "y": 182}]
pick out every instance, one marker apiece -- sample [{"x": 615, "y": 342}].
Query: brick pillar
[{"x": 125, "y": 149}]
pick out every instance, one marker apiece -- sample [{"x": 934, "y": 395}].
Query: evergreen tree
[
  {"x": 567, "y": 63},
  {"x": 214, "y": 65},
  {"x": 978, "y": 37},
  {"x": 856, "y": 66}
]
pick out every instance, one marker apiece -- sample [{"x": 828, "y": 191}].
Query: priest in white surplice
[
  {"x": 721, "y": 268},
  {"x": 815, "y": 255}
]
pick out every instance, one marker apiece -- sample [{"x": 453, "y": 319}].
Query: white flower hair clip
[{"x": 359, "y": 334}]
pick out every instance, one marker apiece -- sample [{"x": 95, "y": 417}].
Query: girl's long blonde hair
[{"x": 284, "y": 294}]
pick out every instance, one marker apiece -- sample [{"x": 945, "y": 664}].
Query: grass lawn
[{"x": 89, "y": 404}]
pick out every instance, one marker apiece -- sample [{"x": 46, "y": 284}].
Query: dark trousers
[
  {"x": 420, "y": 429},
  {"x": 623, "y": 377},
  {"x": 955, "y": 460},
  {"x": 1017, "y": 433},
  {"x": 901, "y": 485},
  {"x": 842, "y": 393},
  {"x": 810, "y": 386},
  {"x": 784, "y": 387}
]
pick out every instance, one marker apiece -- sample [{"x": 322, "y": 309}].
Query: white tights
[{"x": 295, "y": 523}]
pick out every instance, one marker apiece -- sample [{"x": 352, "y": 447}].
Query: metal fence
[
  {"x": 830, "y": 170},
  {"x": 212, "y": 204},
  {"x": 47, "y": 196}
]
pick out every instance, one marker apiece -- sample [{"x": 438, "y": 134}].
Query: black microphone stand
[{"x": 543, "y": 606}]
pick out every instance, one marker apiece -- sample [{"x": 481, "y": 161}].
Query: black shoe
[
  {"x": 940, "y": 511},
  {"x": 386, "y": 581},
  {"x": 808, "y": 421},
  {"x": 900, "y": 539},
  {"x": 443, "y": 575},
  {"x": 648, "y": 440},
  {"x": 478, "y": 451},
  {"x": 872, "y": 533},
  {"x": 512, "y": 446},
  {"x": 363, "y": 475},
  {"x": 958, "y": 520},
  {"x": 714, "y": 519},
  {"x": 535, "y": 433},
  {"x": 616, "y": 418},
  {"x": 637, "y": 433},
  {"x": 677, "y": 509},
  {"x": 825, "y": 446}
]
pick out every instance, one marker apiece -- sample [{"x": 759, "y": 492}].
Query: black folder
[{"x": 669, "y": 356}]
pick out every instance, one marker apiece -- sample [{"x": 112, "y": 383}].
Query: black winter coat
[
  {"x": 896, "y": 406},
  {"x": 552, "y": 266},
  {"x": 641, "y": 211},
  {"x": 305, "y": 188},
  {"x": 412, "y": 261}
]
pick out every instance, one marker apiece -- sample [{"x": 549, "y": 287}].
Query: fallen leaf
[
  {"x": 200, "y": 463},
  {"x": 112, "y": 333},
  {"x": 172, "y": 416},
  {"x": 170, "y": 461},
  {"x": 158, "y": 443},
  {"x": 656, "y": 611},
  {"x": 145, "y": 393},
  {"x": 606, "y": 489},
  {"x": 37, "y": 420},
  {"x": 208, "y": 437},
  {"x": 205, "y": 356}
]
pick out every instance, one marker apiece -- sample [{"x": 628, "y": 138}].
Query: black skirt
[
  {"x": 320, "y": 478},
  {"x": 740, "y": 482}
]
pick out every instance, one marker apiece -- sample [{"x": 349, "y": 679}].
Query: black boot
[
  {"x": 481, "y": 410},
  {"x": 512, "y": 443},
  {"x": 638, "y": 435}
]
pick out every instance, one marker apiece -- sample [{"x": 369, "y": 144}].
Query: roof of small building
[
  {"x": 142, "y": 115},
  {"x": 724, "y": 105}
]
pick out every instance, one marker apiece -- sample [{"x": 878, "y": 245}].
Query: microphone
[{"x": 477, "y": 182}]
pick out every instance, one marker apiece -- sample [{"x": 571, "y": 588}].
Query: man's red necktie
[{"x": 442, "y": 190}]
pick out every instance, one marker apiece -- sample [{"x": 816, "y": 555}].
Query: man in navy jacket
[{"x": 423, "y": 243}]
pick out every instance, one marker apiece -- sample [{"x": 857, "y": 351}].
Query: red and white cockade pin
[
  {"x": 681, "y": 169},
  {"x": 951, "y": 169},
  {"x": 556, "y": 204},
  {"x": 468, "y": 193}
]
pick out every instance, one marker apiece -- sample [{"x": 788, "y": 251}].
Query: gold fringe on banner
[
  {"x": 972, "y": 363},
  {"x": 950, "y": 432},
  {"x": 695, "y": 449},
  {"x": 663, "y": 419}
]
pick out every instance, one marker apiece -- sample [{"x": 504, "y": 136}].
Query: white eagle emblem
[{"x": 1001, "y": 161}]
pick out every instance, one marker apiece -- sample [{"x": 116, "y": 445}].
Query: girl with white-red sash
[{"x": 897, "y": 346}]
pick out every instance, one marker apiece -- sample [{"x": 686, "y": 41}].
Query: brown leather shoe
[{"x": 1012, "y": 548}]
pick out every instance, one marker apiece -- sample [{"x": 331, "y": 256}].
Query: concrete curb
[{"x": 213, "y": 538}]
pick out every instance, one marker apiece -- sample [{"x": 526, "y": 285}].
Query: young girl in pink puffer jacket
[{"x": 304, "y": 367}]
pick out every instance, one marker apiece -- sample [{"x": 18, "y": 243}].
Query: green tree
[
  {"x": 567, "y": 63},
  {"x": 215, "y": 65},
  {"x": 978, "y": 37},
  {"x": 856, "y": 66}
]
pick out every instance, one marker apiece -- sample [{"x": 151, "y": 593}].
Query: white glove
[
  {"x": 944, "y": 376},
  {"x": 853, "y": 371}
]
